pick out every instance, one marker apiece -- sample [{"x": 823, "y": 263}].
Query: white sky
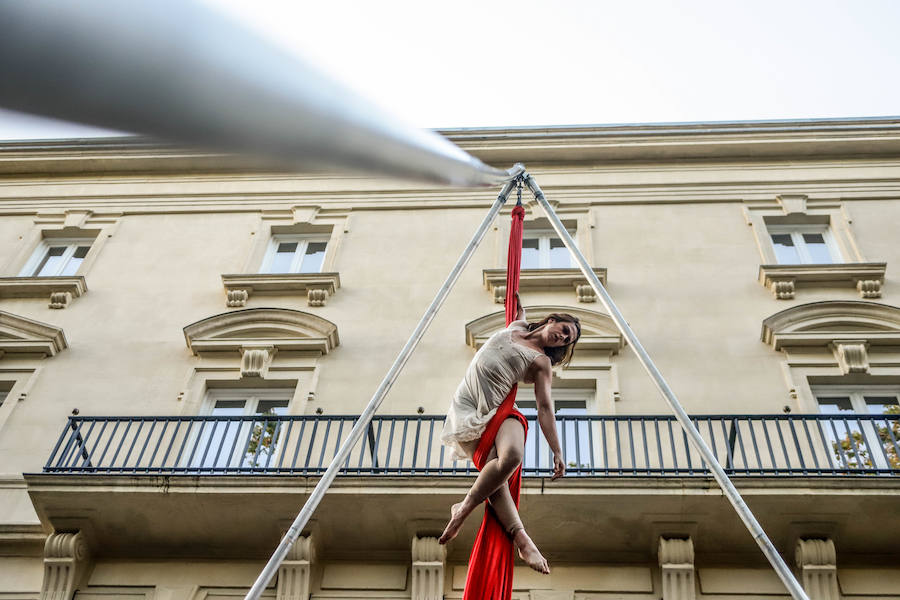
[{"x": 474, "y": 64}]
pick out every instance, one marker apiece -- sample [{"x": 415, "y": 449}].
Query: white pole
[
  {"x": 728, "y": 488},
  {"x": 180, "y": 71},
  {"x": 363, "y": 422}
]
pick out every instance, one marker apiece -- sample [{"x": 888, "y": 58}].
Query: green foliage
[
  {"x": 263, "y": 441},
  {"x": 854, "y": 446}
]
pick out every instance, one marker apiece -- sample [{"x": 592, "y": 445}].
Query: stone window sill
[
  {"x": 61, "y": 290},
  {"x": 544, "y": 280},
  {"x": 318, "y": 286},
  {"x": 782, "y": 280}
]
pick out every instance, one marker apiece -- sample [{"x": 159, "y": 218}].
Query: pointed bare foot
[
  {"x": 530, "y": 553},
  {"x": 457, "y": 518}
]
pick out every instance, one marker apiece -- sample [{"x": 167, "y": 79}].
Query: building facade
[{"x": 186, "y": 340}]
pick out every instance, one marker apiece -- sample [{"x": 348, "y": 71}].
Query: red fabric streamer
[{"x": 491, "y": 562}]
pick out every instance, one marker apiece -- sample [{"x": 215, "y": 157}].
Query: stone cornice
[{"x": 573, "y": 144}]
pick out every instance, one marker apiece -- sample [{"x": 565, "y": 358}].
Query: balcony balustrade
[{"x": 409, "y": 445}]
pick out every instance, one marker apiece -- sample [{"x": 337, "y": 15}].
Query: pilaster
[
  {"x": 428, "y": 558},
  {"x": 676, "y": 560},
  {"x": 817, "y": 562},
  {"x": 294, "y": 572},
  {"x": 67, "y": 560}
]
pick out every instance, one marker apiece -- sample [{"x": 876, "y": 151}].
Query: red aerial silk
[{"x": 491, "y": 563}]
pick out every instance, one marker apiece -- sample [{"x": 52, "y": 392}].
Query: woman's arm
[
  {"x": 546, "y": 416},
  {"x": 520, "y": 310}
]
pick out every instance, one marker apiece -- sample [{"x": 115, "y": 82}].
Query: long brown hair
[{"x": 560, "y": 355}]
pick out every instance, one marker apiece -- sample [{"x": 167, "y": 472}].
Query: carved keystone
[
  {"x": 428, "y": 559},
  {"x": 818, "y": 566},
  {"x": 294, "y": 572},
  {"x": 255, "y": 361},
  {"x": 852, "y": 356},
  {"x": 676, "y": 560},
  {"x": 66, "y": 562}
]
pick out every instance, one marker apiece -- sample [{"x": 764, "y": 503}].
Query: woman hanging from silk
[{"x": 525, "y": 352}]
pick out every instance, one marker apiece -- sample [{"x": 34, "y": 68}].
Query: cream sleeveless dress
[{"x": 496, "y": 367}]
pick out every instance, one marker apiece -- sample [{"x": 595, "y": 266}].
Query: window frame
[
  {"x": 544, "y": 236},
  {"x": 796, "y": 232},
  {"x": 303, "y": 241},
  {"x": 857, "y": 394},
  {"x": 252, "y": 397},
  {"x": 43, "y": 248}
]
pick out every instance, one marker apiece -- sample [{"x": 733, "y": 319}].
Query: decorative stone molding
[
  {"x": 236, "y": 298},
  {"x": 428, "y": 562},
  {"x": 60, "y": 290},
  {"x": 281, "y": 329},
  {"x": 817, "y": 561},
  {"x": 782, "y": 280},
  {"x": 316, "y": 297},
  {"x": 294, "y": 572},
  {"x": 598, "y": 332},
  {"x": 792, "y": 203},
  {"x": 543, "y": 280},
  {"x": 255, "y": 361},
  {"x": 676, "y": 560},
  {"x": 19, "y": 335},
  {"x": 66, "y": 562},
  {"x": 852, "y": 356},
  {"x": 831, "y": 323},
  {"x": 317, "y": 286},
  {"x": 869, "y": 288},
  {"x": 60, "y": 299}
]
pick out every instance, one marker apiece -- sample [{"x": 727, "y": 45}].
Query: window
[
  {"x": 57, "y": 257},
  {"x": 574, "y": 435},
  {"x": 858, "y": 441},
  {"x": 544, "y": 250},
  {"x": 239, "y": 442},
  {"x": 295, "y": 254},
  {"x": 803, "y": 244}
]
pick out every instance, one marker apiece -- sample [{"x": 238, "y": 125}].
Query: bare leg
[
  {"x": 509, "y": 447},
  {"x": 503, "y": 505}
]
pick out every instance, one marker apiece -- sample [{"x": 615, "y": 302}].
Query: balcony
[
  {"x": 404, "y": 445},
  {"x": 229, "y": 486}
]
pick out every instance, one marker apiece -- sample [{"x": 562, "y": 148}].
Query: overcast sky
[{"x": 475, "y": 64}]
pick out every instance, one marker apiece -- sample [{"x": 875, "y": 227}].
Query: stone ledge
[
  {"x": 782, "y": 280},
  {"x": 60, "y": 290},
  {"x": 544, "y": 279},
  {"x": 318, "y": 286}
]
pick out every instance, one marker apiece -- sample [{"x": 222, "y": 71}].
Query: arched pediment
[
  {"x": 19, "y": 335},
  {"x": 598, "y": 331},
  {"x": 822, "y": 323},
  {"x": 280, "y": 328}
]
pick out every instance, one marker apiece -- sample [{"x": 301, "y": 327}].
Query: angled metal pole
[
  {"x": 728, "y": 488},
  {"x": 363, "y": 422},
  {"x": 179, "y": 70}
]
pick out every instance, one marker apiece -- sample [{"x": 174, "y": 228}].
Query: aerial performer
[{"x": 484, "y": 425}]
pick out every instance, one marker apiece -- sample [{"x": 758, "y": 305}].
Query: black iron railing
[{"x": 594, "y": 446}]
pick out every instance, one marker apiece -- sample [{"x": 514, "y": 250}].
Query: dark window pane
[
  {"x": 530, "y": 256},
  {"x": 51, "y": 262},
  {"x": 272, "y": 407},
  {"x": 559, "y": 255},
  {"x": 818, "y": 251},
  {"x": 833, "y": 406},
  {"x": 881, "y": 405},
  {"x": 312, "y": 259},
  {"x": 785, "y": 252}
]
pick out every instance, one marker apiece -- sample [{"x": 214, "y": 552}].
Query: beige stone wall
[{"x": 682, "y": 264}]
